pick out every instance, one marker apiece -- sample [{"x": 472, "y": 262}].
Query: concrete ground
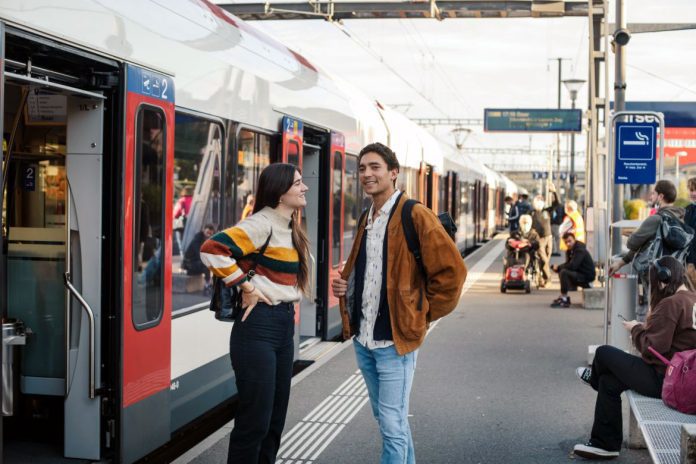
[{"x": 495, "y": 383}]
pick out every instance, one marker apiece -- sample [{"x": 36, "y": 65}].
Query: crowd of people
[{"x": 377, "y": 315}]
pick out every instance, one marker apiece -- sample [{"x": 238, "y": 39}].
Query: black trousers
[
  {"x": 613, "y": 372},
  {"x": 570, "y": 280},
  {"x": 262, "y": 352}
]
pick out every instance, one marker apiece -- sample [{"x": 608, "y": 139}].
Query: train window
[
  {"x": 148, "y": 282},
  {"x": 337, "y": 191},
  {"x": 293, "y": 153},
  {"x": 352, "y": 205},
  {"x": 254, "y": 154},
  {"x": 197, "y": 205}
]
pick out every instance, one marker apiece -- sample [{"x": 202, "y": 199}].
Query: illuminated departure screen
[{"x": 538, "y": 120}]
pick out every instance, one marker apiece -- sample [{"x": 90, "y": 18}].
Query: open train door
[
  {"x": 2, "y": 232},
  {"x": 147, "y": 255}
]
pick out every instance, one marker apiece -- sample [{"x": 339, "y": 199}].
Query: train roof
[{"x": 222, "y": 66}]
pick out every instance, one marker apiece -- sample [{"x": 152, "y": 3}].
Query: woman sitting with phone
[{"x": 669, "y": 328}]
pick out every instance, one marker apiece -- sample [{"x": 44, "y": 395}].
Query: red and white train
[{"x": 114, "y": 114}]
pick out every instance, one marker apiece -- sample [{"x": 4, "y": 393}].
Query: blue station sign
[
  {"x": 532, "y": 120},
  {"x": 635, "y": 150}
]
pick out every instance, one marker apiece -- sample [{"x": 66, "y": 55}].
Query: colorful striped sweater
[{"x": 228, "y": 254}]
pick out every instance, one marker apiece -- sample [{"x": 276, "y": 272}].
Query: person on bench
[
  {"x": 577, "y": 271},
  {"x": 669, "y": 328}
]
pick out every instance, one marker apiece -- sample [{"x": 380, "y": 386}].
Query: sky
[{"x": 457, "y": 67}]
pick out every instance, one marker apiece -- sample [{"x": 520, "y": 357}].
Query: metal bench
[{"x": 657, "y": 427}]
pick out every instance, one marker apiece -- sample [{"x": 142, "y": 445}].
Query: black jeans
[
  {"x": 613, "y": 372},
  {"x": 262, "y": 352},
  {"x": 570, "y": 280}
]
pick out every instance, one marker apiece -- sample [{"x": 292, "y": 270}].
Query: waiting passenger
[
  {"x": 573, "y": 223},
  {"x": 513, "y": 214},
  {"x": 577, "y": 271},
  {"x": 522, "y": 244},
  {"x": 261, "y": 344},
  {"x": 669, "y": 328},
  {"x": 662, "y": 197},
  {"x": 389, "y": 322},
  {"x": 690, "y": 220},
  {"x": 541, "y": 223}
]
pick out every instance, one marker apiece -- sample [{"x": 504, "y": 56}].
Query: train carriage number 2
[{"x": 164, "y": 88}]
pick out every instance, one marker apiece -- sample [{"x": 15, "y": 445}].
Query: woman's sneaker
[
  {"x": 584, "y": 374},
  {"x": 588, "y": 451}
]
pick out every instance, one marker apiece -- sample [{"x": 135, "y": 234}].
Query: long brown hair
[
  {"x": 275, "y": 180},
  {"x": 677, "y": 278}
]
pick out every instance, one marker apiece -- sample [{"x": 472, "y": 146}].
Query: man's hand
[
  {"x": 339, "y": 287},
  {"x": 554, "y": 267},
  {"x": 615, "y": 266}
]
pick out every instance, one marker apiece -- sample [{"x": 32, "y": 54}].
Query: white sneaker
[
  {"x": 584, "y": 374},
  {"x": 592, "y": 452}
]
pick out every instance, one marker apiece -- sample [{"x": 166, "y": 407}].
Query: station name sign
[{"x": 532, "y": 120}]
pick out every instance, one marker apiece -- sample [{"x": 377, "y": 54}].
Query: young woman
[
  {"x": 669, "y": 328},
  {"x": 261, "y": 344}
]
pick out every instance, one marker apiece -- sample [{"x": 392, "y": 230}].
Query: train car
[{"x": 129, "y": 128}]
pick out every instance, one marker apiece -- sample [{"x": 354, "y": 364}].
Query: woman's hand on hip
[{"x": 251, "y": 299}]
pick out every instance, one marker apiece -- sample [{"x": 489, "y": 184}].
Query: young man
[
  {"x": 385, "y": 300},
  {"x": 578, "y": 270},
  {"x": 513, "y": 215},
  {"x": 662, "y": 197}
]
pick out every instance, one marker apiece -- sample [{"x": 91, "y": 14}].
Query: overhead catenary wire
[
  {"x": 656, "y": 76},
  {"x": 352, "y": 36}
]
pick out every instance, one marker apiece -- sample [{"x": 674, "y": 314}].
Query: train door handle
[
  {"x": 90, "y": 314},
  {"x": 313, "y": 276}
]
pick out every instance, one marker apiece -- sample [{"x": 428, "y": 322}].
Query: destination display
[{"x": 532, "y": 120}]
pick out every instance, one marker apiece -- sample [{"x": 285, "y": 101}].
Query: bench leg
[
  {"x": 635, "y": 435},
  {"x": 688, "y": 444}
]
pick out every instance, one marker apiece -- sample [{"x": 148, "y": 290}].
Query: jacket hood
[{"x": 675, "y": 211}]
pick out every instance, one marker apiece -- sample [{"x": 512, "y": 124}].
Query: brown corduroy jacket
[{"x": 412, "y": 303}]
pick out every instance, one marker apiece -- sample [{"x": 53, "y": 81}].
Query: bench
[
  {"x": 593, "y": 298},
  {"x": 662, "y": 430}
]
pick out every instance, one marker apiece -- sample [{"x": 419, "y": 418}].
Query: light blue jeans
[{"x": 389, "y": 377}]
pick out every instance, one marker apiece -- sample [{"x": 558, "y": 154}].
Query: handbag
[
  {"x": 680, "y": 380},
  {"x": 226, "y": 302}
]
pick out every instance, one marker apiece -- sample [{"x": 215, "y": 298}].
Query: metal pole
[
  {"x": 571, "y": 193},
  {"x": 619, "y": 106}
]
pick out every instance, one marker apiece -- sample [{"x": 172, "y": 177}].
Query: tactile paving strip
[{"x": 661, "y": 427}]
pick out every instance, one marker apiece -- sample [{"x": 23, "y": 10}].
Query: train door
[
  {"x": 311, "y": 168},
  {"x": 147, "y": 270},
  {"x": 332, "y": 317},
  {"x": 52, "y": 256}
]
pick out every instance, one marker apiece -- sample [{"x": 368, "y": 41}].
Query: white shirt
[{"x": 372, "y": 289}]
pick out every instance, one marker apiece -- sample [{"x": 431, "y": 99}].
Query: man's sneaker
[
  {"x": 561, "y": 303},
  {"x": 584, "y": 374},
  {"x": 592, "y": 452}
]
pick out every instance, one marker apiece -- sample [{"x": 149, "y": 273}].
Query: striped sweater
[{"x": 229, "y": 255}]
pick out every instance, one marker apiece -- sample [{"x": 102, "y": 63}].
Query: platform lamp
[
  {"x": 460, "y": 135},
  {"x": 573, "y": 86},
  {"x": 678, "y": 155}
]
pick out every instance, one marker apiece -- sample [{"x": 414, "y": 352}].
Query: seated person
[
  {"x": 522, "y": 244},
  {"x": 668, "y": 329},
  {"x": 192, "y": 256},
  {"x": 578, "y": 270}
]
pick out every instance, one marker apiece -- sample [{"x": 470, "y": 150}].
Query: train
[{"x": 128, "y": 128}]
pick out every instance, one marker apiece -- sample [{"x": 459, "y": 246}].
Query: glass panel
[
  {"x": 352, "y": 207},
  {"x": 293, "y": 153},
  {"x": 254, "y": 155},
  {"x": 337, "y": 201},
  {"x": 197, "y": 198},
  {"x": 148, "y": 215},
  {"x": 34, "y": 236}
]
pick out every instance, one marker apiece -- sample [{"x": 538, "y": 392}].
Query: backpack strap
[{"x": 411, "y": 236}]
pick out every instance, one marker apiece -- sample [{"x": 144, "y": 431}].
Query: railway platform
[{"x": 494, "y": 383}]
